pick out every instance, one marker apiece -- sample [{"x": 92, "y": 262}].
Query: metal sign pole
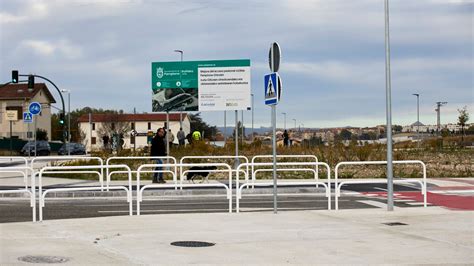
[
  {"x": 167, "y": 133},
  {"x": 275, "y": 209},
  {"x": 225, "y": 127},
  {"x": 236, "y": 138},
  {"x": 36, "y": 152},
  {"x": 11, "y": 142},
  {"x": 389, "y": 112}
]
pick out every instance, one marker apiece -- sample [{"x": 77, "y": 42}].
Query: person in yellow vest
[{"x": 196, "y": 136}]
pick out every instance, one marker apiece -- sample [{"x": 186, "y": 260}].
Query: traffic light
[
  {"x": 31, "y": 82},
  {"x": 61, "y": 118},
  {"x": 14, "y": 76}
]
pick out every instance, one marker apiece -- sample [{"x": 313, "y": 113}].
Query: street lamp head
[
  {"x": 178, "y": 51},
  {"x": 416, "y": 94}
]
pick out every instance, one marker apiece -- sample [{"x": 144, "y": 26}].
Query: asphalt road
[{"x": 18, "y": 210}]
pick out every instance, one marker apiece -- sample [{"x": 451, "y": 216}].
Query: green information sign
[{"x": 200, "y": 85}]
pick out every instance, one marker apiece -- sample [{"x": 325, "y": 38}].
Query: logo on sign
[{"x": 159, "y": 72}]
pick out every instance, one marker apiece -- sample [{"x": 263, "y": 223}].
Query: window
[
  {"x": 113, "y": 126},
  {"x": 93, "y": 126},
  {"x": 133, "y": 125},
  {"x": 149, "y": 125},
  {"x": 93, "y": 140}
]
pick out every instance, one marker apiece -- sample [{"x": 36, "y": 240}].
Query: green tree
[
  {"x": 345, "y": 134},
  {"x": 41, "y": 134},
  {"x": 198, "y": 124},
  {"x": 462, "y": 119},
  {"x": 397, "y": 128}
]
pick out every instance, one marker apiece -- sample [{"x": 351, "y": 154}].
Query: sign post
[
  {"x": 272, "y": 96},
  {"x": 11, "y": 115},
  {"x": 35, "y": 109}
]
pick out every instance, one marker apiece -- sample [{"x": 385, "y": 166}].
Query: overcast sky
[{"x": 332, "y": 53}]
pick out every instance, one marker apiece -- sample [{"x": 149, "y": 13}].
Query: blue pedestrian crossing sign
[
  {"x": 34, "y": 108},
  {"x": 272, "y": 89},
  {"x": 27, "y": 117}
]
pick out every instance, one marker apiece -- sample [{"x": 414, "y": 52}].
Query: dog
[{"x": 196, "y": 171}]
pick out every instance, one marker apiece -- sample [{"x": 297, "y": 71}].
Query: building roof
[
  {"x": 20, "y": 91},
  {"x": 417, "y": 123},
  {"x": 128, "y": 117}
]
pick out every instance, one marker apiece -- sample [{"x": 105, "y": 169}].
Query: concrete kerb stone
[{"x": 173, "y": 193}]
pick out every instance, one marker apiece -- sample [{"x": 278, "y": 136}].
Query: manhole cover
[
  {"x": 192, "y": 244},
  {"x": 43, "y": 259},
  {"x": 394, "y": 224}
]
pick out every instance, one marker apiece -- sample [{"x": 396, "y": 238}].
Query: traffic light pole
[{"x": 59, "y": 91}]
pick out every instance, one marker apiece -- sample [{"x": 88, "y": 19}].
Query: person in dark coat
[
  {"x": 286, "y": 138},
  {"x": 158, "y": 149}
]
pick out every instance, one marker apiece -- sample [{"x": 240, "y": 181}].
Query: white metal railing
[
  {"x": 290, "y": 156},
  {"x": 24, "y": 171},
  {"x": 227, "y": 169},
  {"x": 67, "y": 158},
  {"x": 53, "y": 169},
  {"x": 213, "y": 157},
  {"x": 327, "y": 185},
  {"x": 339, "y": 185},
  {"x": 109, "y": 160},
  {"x": 23, "y": 164}
]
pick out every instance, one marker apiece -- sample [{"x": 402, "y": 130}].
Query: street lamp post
[
  {"x": 417, "y": 116},
  {"x": 438, "y": 112},
  {"x": 388, "y": 93},
  {"x": 284, "y": 120},
  {"x": 68, "y": 139}
]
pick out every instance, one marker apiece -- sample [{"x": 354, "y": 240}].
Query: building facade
[
  {"x": 17, "y": 97},
  {"x": 94, "y": 127}
]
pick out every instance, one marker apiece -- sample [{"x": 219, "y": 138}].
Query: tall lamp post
[
  {"x": 388, "y": 93},
  {"x": 284, "y": 120},
  {"x": 68, "y": 139},
  {"x": 417, "y": 115},
  {"x": 438, "y": 115}
]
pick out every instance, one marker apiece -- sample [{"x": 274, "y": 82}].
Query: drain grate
[
  {"x": 192, "y": 244},
  {"x": 394, "y": 224},
  {"x": 43, "y": 259}
]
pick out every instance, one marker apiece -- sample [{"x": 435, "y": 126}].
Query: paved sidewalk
[{"x": 431, "y": 236}]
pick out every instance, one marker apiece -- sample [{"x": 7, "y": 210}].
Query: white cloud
[
  {"x": 47, "y": 48},
  {"x": 43, "y": 48}
]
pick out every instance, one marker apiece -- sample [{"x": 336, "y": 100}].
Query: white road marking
[{"x": 417, "y": 203}]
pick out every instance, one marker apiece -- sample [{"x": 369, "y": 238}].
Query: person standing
[
  {"x": 181, "y": 136},
  {"x": 286, "y": 138},
  {"x": 170, "y": 138},
  {"x": 158, "y": 148},
  {"x": 105, "y": 140}
]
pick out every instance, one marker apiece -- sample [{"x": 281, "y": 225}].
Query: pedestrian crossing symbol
[
  {"x": 27, "y": 117},
  {"x": 272, "y": 89}
]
